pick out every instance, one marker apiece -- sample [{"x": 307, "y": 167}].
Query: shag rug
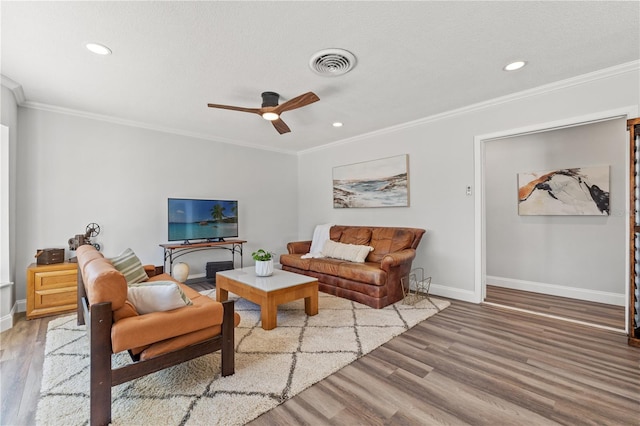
[{"x": 270, "y": 366}]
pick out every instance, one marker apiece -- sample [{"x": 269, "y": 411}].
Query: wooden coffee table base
[{"x": 269, "y": 300}]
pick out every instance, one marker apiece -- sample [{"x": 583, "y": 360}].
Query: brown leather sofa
[
  {"x": 377, "y": 281},
  {"x": 155, "y": 340}
]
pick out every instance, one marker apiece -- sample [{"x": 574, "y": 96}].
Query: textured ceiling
[{"x": 415, "y": 59}]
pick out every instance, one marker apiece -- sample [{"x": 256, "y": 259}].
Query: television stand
[
  {"x": 174, "y": 251},
  {"x": 207, "y": 240}
]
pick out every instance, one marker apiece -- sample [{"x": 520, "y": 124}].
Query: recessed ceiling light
[
  {"x": 337, "y": 124},
  {"x": 514, "y": 66},
  {"x": 98, "y": 49}
]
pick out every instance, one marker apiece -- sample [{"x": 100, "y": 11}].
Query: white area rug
[{"x": 271, "y": 366}]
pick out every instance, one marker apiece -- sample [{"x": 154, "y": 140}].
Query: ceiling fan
[{"x": 271, "y": 110}]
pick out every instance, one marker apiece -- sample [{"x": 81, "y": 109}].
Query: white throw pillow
[
  {"x": 351, "y": 252},
  {"x": 157, "y": 296}
]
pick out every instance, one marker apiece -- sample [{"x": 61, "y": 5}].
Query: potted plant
[{"x": 264, "y": 262}]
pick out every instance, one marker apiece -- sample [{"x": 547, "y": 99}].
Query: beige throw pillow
[
  {"x": 157, "y": 296},
  {"x": 350, "y": 252}
]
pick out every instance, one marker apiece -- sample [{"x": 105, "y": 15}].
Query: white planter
[
  {"x": 180, "y": 272},
  {"x": 264, "y": 268}
]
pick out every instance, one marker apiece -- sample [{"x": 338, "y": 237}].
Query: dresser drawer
[
  {"x": 55, "y": 279},
  {"x": 63, "y": 298},
  {"x": 51, "y": 289}
]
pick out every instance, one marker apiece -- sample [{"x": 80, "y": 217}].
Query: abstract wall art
[
  {"x": 578, "y": 191},
  {"x": 376, "y": 183}
]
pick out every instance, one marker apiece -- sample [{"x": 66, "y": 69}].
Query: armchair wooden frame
[{"x": 103, "y": 376}]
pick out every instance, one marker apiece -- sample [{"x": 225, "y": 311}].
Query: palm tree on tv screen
[{"x": 217, "y": 212}]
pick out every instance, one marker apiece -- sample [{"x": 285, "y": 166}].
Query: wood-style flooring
[
  {"x": 21, "y": 360},
  {"x": 480, "y": 365},
  {"x": 469, "y": 364},
  {"x": 579, "y": 310}
]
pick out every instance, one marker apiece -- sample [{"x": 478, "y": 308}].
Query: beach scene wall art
[
  {"x": 376, "y": 183},
  {"x": 578, "y": 191}
]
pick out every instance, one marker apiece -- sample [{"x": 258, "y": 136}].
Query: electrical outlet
[{"x": 469, "y": 190}]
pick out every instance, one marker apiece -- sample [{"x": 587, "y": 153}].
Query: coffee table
[{"x": 268, "y": 292}]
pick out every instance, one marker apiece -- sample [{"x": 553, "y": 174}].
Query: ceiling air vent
[{"x": 332, "y": 62}]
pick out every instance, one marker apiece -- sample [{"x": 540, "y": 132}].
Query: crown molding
[
  {"x": 627, "y": 67},
  {"x": 18, "y": 92},
  {"x": 16, "y": 88},
  {"x": 632, "y": 66},
  {"x": 148, "y": 126}
]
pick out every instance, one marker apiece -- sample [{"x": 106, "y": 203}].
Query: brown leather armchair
[{"x": 155, "y": 340}]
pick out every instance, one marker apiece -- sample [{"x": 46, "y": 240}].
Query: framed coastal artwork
[
  {"x": 578, "y": 191},
  {"x": 376, "y": 183}
]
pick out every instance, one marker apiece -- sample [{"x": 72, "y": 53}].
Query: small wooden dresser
[{"x": 51, "y": 289}]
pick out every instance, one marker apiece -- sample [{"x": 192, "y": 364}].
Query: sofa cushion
[
  {"x": 350, "y": 252},
  {"x": 335, "y": 233},
  {"x": 358, "y": 236},
  {"x": 388, "y": 240},
  {"x": 369, "y": 273},
  {"x": 104, "y": 283},
  {"x": 126, "y": 311},
  {"x": 157, "y": 296},
  {"x": 325, "y": 265},
  {"x": 128, "y": 263},
  {"x": 295, "y": 261},
  {"x": 143, "y": 330},
  {"x": 86, "y": 254},
  {"x": 183, "y": 341}
]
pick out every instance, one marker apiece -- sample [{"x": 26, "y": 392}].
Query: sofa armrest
[
  {"x": 398, "y": 258},
  {"x": 299, "y": 247},
  {"x": 150, "y": 270}
]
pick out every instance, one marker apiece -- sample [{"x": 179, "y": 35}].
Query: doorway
[{"x": 559, "y": 261}]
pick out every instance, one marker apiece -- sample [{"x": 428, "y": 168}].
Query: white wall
[
  {"x": 9, "y": 119},
  {"x": 573, "y": 256},
  {"x": 441, "y": 153},
  {"x": 74, "y": 170}
]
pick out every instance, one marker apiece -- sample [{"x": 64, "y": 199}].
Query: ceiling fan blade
[
  {"x": 235, "y": 108},
  {"x": 297, "y": 102},
  {"x": 281, "y": 126}
]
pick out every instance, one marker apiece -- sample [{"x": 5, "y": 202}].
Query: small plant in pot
[{"x": 264, "y": 262}]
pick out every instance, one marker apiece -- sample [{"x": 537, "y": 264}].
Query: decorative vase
[
  {"x": 180, "y": 272},
  {"x": 264, "y": 268}
]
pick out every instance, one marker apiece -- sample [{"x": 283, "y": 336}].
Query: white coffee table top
[{"x": 280, "y": 279}]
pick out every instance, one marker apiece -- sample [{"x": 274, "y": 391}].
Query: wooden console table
[{"x": 174, "y": 251}]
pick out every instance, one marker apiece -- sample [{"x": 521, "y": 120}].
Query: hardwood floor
[
  {"x": 573, "y": 309},
  {"x": 21, "y": 360},
  {"x": 480, "y": 365},
  {"x": 470, "y": 364}
]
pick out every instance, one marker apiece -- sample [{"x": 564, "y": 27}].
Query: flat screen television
[{"x": 210, "y": 220}]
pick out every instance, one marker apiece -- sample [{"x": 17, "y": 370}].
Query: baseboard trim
[
  {"x": 6, "y": 322},
  {"x": 453, "y": 293},
  {"x": 558, "y": 290},
  {"x": 21, "y": 305}
]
